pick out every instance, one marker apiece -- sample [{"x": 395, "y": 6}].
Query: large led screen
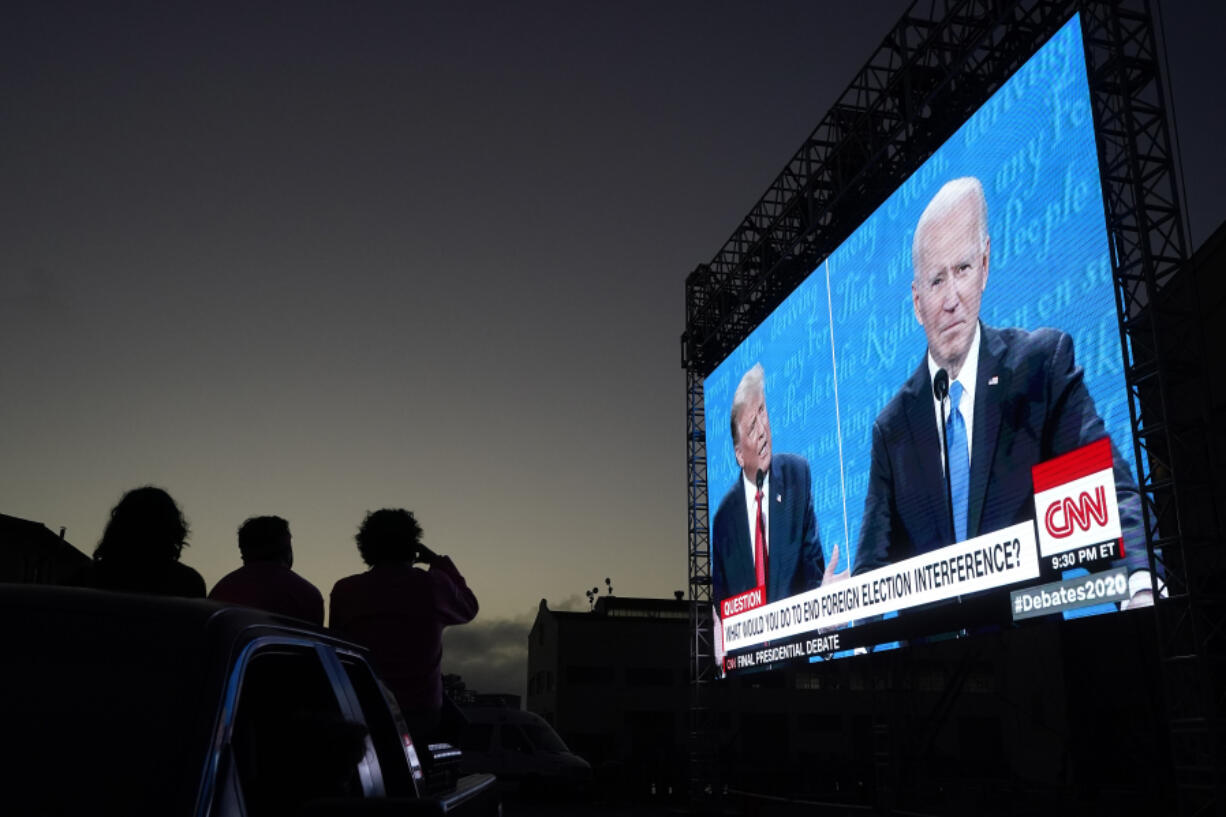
[{"x": 985, "y": 279}]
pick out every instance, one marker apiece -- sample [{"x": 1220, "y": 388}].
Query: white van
[{"x": 521, "y": 748}]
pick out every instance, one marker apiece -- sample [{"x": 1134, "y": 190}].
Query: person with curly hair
[
  {"x": 140, "y": 548},
  {"x": 399, "y": 611}
]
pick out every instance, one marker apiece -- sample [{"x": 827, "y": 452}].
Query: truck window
[
  {"x": 385, "y": 731},
  {"x": 291, "y": 742}
]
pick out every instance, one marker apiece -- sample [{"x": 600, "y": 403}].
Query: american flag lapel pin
[
  {"x": 778, "y": 497},
  {"x": 993, "y": 380}
]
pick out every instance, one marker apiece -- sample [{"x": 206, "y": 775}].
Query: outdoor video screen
[{"x": 931, "y": 434}]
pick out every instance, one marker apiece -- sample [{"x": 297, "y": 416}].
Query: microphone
[
  {"x": 761, "y": 478},
  {"x": 940, "y": 390},
  {"x": 940, "y": 385}
]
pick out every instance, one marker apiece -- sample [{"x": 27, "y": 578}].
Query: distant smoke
[
  {"x": 491, "y": 655},
  {"x": 574, "y": 603}
]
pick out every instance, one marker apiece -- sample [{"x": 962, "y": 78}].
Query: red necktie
[{"x": 759, "y": 544}]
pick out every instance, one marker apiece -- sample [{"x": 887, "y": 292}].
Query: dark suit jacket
[
  {"x": 795, "y": 557},
  {"x": 1038, "y": 409}
]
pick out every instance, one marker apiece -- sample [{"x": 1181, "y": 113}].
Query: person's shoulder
[
  {"x": 891, "y": 410},
  {"x": 443, "y": 569},
  {"x": 234, "y": 575},
  {"x": 1030, "y": 350},
  {"x": 186, "y": 580},
  {"x": 791, "y": 463},
  {"x": 916, "y": 385},
  {"x": 726, "y": 504},
  {"x": 300, "y": 581},
  {"x": 1020, "y": 341},
  {"x": 224, "y": 583},
  {"x": 350, "y": 583}
]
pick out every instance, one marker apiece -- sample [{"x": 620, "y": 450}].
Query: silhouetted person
[
  {"x": 265, "y": 580},
  {"x": 399, "y": 612},
  {"x": 140, "y": 548}
]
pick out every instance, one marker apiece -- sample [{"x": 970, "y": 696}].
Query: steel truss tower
[
  {"x": 1166, "y": 375},
  {"x": 932, "y": 71}
]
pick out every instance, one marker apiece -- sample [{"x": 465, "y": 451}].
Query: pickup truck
[{"x": 115, "y": 703}]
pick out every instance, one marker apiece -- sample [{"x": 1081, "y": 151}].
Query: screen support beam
[{"x": 1162, "y": 342}]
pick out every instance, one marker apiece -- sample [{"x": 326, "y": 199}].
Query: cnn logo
[
  {"x": 1065, "y": 517},
  {"x": 1074, "y": 499}
]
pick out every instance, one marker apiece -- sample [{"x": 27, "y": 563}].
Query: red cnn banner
[
  {"x": 743, "y": 603},
  {"x": 1074, "y": 499}
]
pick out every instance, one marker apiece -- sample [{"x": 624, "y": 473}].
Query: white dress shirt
[
  {"x": 967, "y": 377},
  {"x": 751, "y": 491}
]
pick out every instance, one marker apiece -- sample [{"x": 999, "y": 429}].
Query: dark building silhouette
[
  {"x": 613, "y": 683},
  {"x": 32, "y": 554},
  {"x": 1207, "y": 284},
  {"x": 1053, "y": 712}
]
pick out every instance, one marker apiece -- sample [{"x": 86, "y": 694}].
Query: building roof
[
  {"x": 29, "y": 552},
  {"x": 626, "y": 607}
]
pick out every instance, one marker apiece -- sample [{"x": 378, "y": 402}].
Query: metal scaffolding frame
[
  {"x": 931, "y": 72},
  {"x": 1163, "y": 348}
]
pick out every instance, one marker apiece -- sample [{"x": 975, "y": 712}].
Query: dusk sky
[{"x": 317, "y": 258}]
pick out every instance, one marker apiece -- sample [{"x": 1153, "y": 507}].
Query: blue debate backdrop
[{"x": 843, "y": 343}]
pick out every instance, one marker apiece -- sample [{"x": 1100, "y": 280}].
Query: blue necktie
[{"x": 959, "y": 460}]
